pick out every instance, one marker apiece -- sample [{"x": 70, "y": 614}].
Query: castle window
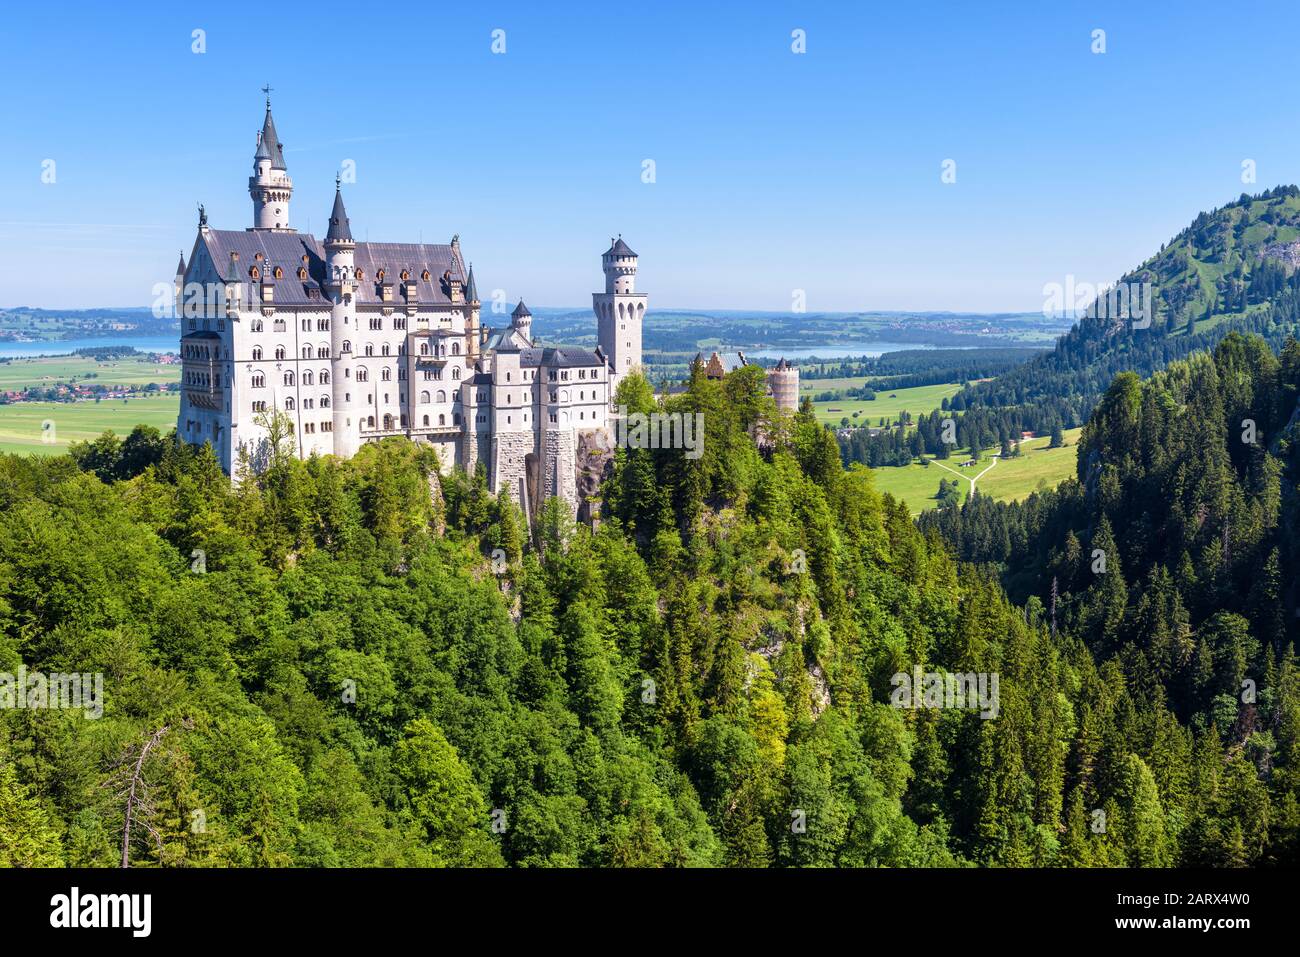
[
  {"x": 386, "y": 374},
  {"x": 279, "y": 352},
  {"x": 442, "y": 420},
  {"x": 425, "y": 275},
  {"x": 370, "y": 421},
  {"x": 307, "y": 378},
  {"x": 424, "y": 397},
  {"x": 302, "y": 273},
  {"x": 257, "y": 353},
  {"x": 424, "y": 348},
  {"x": 278, "y": 326},
  {"x": 305, "y": 324},
  {"x": 259, "y": 380},
  {"x": 259, "y": 405},
  {"x": 347, "y": 346},
  {"x": 324, "y": 377},
  {"x": 288, "y": 378},
  {"x": 405, "y": 275},
  {"x": 370, "y": 349},
  {"x": 363, "y": 375},
  {"x": 455, "y": 373},
  {"x": 442, "y": 396},
  {"x": 384, "y": 349},
  {"x": 254, "y": 272},
  {"x": 323, "y": 352},
  {"x": 324, "y": 402},
  {"x": 306, "y": 352},
  {"x": 288, "y": 404},
  {"x": 426, "y": 420},
  {"x": 256, "y": 326}
]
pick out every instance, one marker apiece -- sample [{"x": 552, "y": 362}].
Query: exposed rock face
[
  {"x": 593, "y": 465},
  {"x": 1287, "y": 253}
]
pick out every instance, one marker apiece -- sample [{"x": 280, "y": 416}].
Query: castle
[{"x": 355, "y": 341}]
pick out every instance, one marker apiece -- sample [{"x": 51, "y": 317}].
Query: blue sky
[{"x": 773, "y": 171}]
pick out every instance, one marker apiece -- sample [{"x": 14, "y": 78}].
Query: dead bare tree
[{"x": 135, "y": 790}]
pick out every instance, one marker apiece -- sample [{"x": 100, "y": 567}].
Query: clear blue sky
[{"x": 775, "y": 171}]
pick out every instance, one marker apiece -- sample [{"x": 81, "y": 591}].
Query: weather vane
[{"x": 267, "y": 90}]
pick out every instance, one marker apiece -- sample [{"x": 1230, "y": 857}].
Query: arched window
[
  {"x": 370, "y": 422},
  {"x": 370, "y": 349},
  {"x": 307, "y": 378},
  {"x": 426, "y": 420},
  {"x": 386, "y": 374},
  {"x": 288, "y": 378},
  {"x": 455, "y": 373},
  {"x": 384, "y": 349},
  {"x": 388, "y": 421},
  {"x": 279, "y": 352},
  {"x": 363, "y": 375},
  {"x": 324, "y": 377},
  {"x": 306, "y": 352},
  {"x": 325, "y": 402},
  {"x": 455, "y": 348},
  {"x": 257, "y": 353},
  {"x": 424, "y": 348},
  {"x": 288, "y": 403},
  {"x": 442, "y": 396},
  {"x": 424, "y": 398},
  {"x": 322, "y": 352},
  {"x": 347, "y": 345},
  {"x": 256, "y": 326},
  {"x": 259, "y": 380},
  {"x": 442, "y": 420}
]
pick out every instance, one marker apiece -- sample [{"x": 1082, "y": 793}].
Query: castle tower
[
  {"x": 521, "y": 320},
  {"x": 340, "y": 283},
  {"x": 270, "y": 185},
  {"x": 620, "y": 310},
  {"x": 783, "y": 380}
]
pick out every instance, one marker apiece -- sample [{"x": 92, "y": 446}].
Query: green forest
[{"x": 371, "y": 663}]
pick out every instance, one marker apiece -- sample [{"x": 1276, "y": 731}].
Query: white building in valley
[{"x": 355, "y": 341}]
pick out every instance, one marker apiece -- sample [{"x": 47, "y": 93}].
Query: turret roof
[{"x": 340, "y": 230}]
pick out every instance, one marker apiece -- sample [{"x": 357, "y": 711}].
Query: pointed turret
[
  {"x": 270, "y": 185},
  {"x": 340, "y": 230},
  {"x": 471, "y": 290},
  {"x": 520, "y": 311}
]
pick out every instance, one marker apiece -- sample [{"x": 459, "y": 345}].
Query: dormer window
[
  {"x": 258, "y": 256},
  {"x": 302, "y": 272},
  {"x": 255, "y": 272},
  {"x": 425, "y": 275},
  {"x": 405, "y": 275},
  {"x": 379, "y": 276},
  {"x": 279, "y": 273},
  {"x": 361, "y": 274}
]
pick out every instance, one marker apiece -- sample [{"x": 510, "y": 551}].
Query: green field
[
  {"x": 1008, "y": 481},
  {"x": 918, "y": 400},
  {"x": 25, "y": 373},
  {"x": 22, "y": 423}
]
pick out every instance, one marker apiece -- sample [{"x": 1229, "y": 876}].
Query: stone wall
[{"x": 509, "y": 467}]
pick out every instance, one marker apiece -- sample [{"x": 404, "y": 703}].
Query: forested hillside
[
  {"x": 361, "y": 663},
  {"x": 1232, "y": 269},
  {"x": 1188, "y": 487}
]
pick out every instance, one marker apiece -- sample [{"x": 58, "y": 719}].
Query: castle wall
[{"x": 509, "y": 466}]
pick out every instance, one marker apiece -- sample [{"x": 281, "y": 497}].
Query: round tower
[
  {"x": 521, "y": 320},
  {"x": 783, "y": 381},
  {"x": 620, "y": 310},
  {"x": 270, "y": 185},
  {"x": 340, "y": 283}
]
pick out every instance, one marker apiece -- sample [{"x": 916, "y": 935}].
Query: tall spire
[
  {"x": 270, "y": 142},
  {"x": 471, "y": 290},
  {"x": 340, "y": 231}
]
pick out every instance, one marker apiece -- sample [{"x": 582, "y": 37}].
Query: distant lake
[
  {"x": 871, "y": 350},
  {"x": 63, "y": 347}
]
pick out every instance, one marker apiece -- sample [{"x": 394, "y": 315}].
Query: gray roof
[
  {"x": 180, "y": 267},
  {"x": 288, "y": 249},
  {"x": 339, "y": 229},
  {"x": 619, "y": 248},
  {"x": 272, "y": 142},
  {"x": 520, "y": 310},
  {"x": 471, "y": 290},
  {"x": 565, "y": 357}
]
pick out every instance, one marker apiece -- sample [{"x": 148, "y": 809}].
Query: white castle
[{"x": 355, "y": 341}]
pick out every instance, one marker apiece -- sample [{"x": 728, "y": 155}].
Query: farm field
[
  {"x": 918, "y": 400},
  {"x": 1008, "y": 481},
  {"x": 22, "y": 423},
  {"x": 24, "y": 373}
]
